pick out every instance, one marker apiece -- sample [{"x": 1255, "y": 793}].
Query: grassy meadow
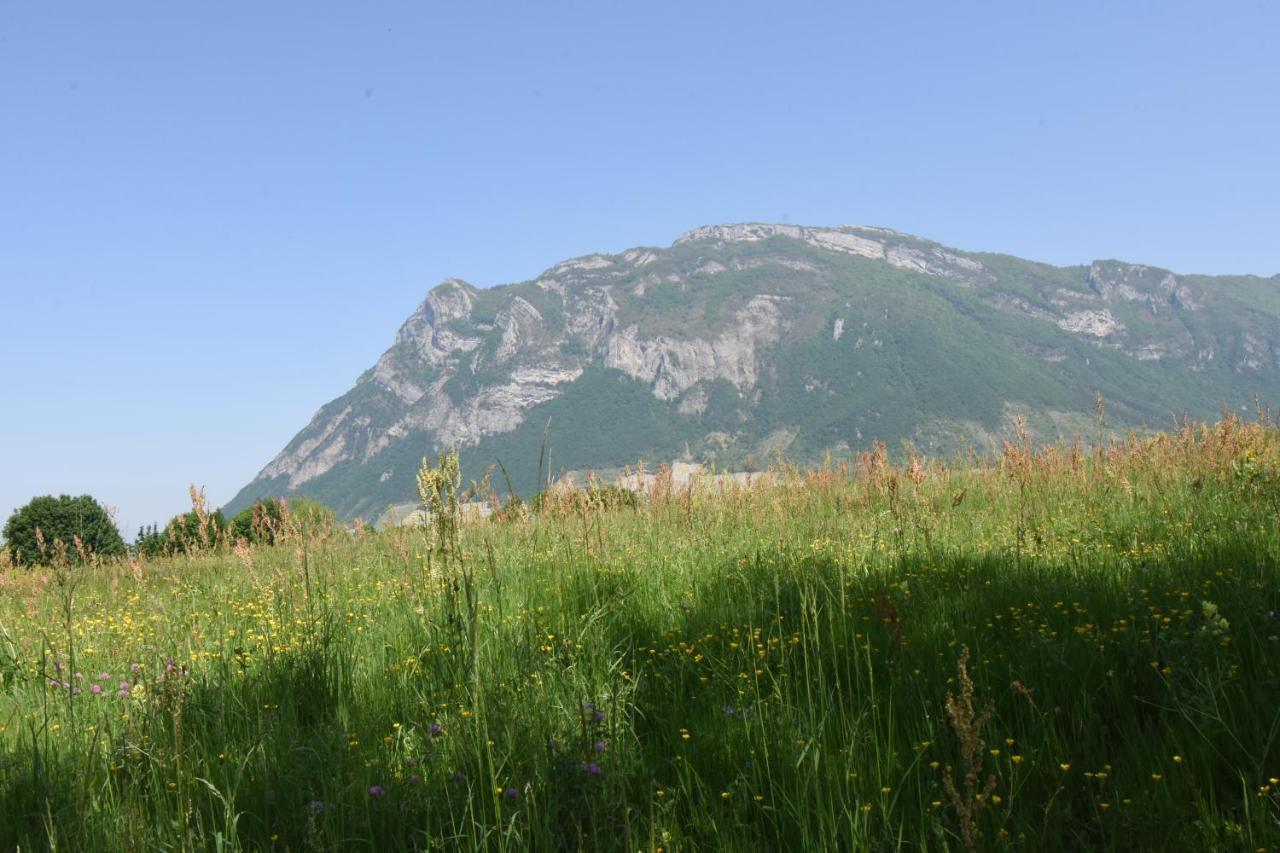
[{"x": 1055, "y": 648}]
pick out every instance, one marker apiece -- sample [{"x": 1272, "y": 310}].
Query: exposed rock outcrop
[{"x": 817, "y": 330}]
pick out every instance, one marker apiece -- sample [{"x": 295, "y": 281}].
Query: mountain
[{"x": 739, "y": 342}]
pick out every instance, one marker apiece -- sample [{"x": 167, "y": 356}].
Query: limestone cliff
[{"x": 748, "y": 339}]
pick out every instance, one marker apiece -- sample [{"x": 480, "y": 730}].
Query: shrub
[
  {"x": 48, "y": 527},
  {"x": 150, "y": 541},
  {"x": 182, "y": 535},
  {"x": 185, "y": 533},
  {"x": 270, "y": 518},
  {"x": 597, "y": 497},
  {"x": 258, "y": 522}
]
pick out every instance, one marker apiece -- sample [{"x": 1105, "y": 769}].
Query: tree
[
  {"x": 182, "y": 535},
  {"x": 257, "y": 523},
  {"x": 270, "y": 518},
  {"x": 49, "y": 527},
  {"x": 185, "y": 533},
  {"x": 150, "y": 541}
]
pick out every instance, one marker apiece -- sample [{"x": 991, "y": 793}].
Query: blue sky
[{"x": 213, "y": 217}]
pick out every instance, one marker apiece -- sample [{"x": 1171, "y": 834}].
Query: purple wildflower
[
  {"x": 598, "y": 746},
  {"x": 376, "y": 791},
  {"x": 96, "y": 689},
  {"x": 592, "y": 768},
  {"x": 598, "y": 716},
  {"x": 511, "y": 793},
  {"x": 435, "y": 730}
]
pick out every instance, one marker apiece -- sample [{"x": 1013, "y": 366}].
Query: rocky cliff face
[{"x": 740, "y": 339}]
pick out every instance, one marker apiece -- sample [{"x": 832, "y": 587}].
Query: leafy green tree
[
  {"x": 182, "y": 535},
  {"x": 269, "y": 519},
  {"x": 150, "y": 541},
  {"x": 257, "y": 523},
  {"x": 185, "y": 533},
  {"x": 48, "y": 527}
]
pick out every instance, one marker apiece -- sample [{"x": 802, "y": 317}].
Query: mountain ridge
[{"x": 744, "y": 339}]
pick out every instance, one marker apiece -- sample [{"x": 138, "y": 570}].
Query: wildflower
[
  {"x": 592, "y": 768},
  {"x": 376, "y": 791},
  {"x": 1065, "y": 767},
  {"x": 317, "y": 806},
  {"x": 599, "y": 746},
  {"x": 598, "y": 716},
  {"x": 1177, "y": 759},
  {"x": 511, "y": 793},
  {"x": 96, "y": 689},
  {"x": 435, "y": 730}
]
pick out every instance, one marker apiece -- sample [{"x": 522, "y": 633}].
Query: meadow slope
[{"x": 1057, "y": 648}]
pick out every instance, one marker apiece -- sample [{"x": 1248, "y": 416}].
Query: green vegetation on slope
[{"x": 839, "y": 351}]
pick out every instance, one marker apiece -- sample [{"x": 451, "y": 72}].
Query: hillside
[{"x": 739, "y": 342}]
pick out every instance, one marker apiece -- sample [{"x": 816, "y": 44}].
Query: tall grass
[{"x": 1055, "y": 648}]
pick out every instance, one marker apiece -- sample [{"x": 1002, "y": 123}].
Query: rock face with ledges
[{"x": 743, "y": 340}]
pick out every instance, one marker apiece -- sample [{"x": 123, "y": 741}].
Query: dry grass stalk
[{"x": 967, "y": 722}]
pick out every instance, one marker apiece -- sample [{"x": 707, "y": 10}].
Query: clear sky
[{"x": 214, "y": 216}]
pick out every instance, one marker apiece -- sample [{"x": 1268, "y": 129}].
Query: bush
[
  {"x": 184, "y": 532},
  {"x": 597, "y": 497},
  {"x": 181, "y": 535},
  {"x": 47, "y": 528},
  {"x": 270, "y": 518},
  {"x": 150, "y": 542}
]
